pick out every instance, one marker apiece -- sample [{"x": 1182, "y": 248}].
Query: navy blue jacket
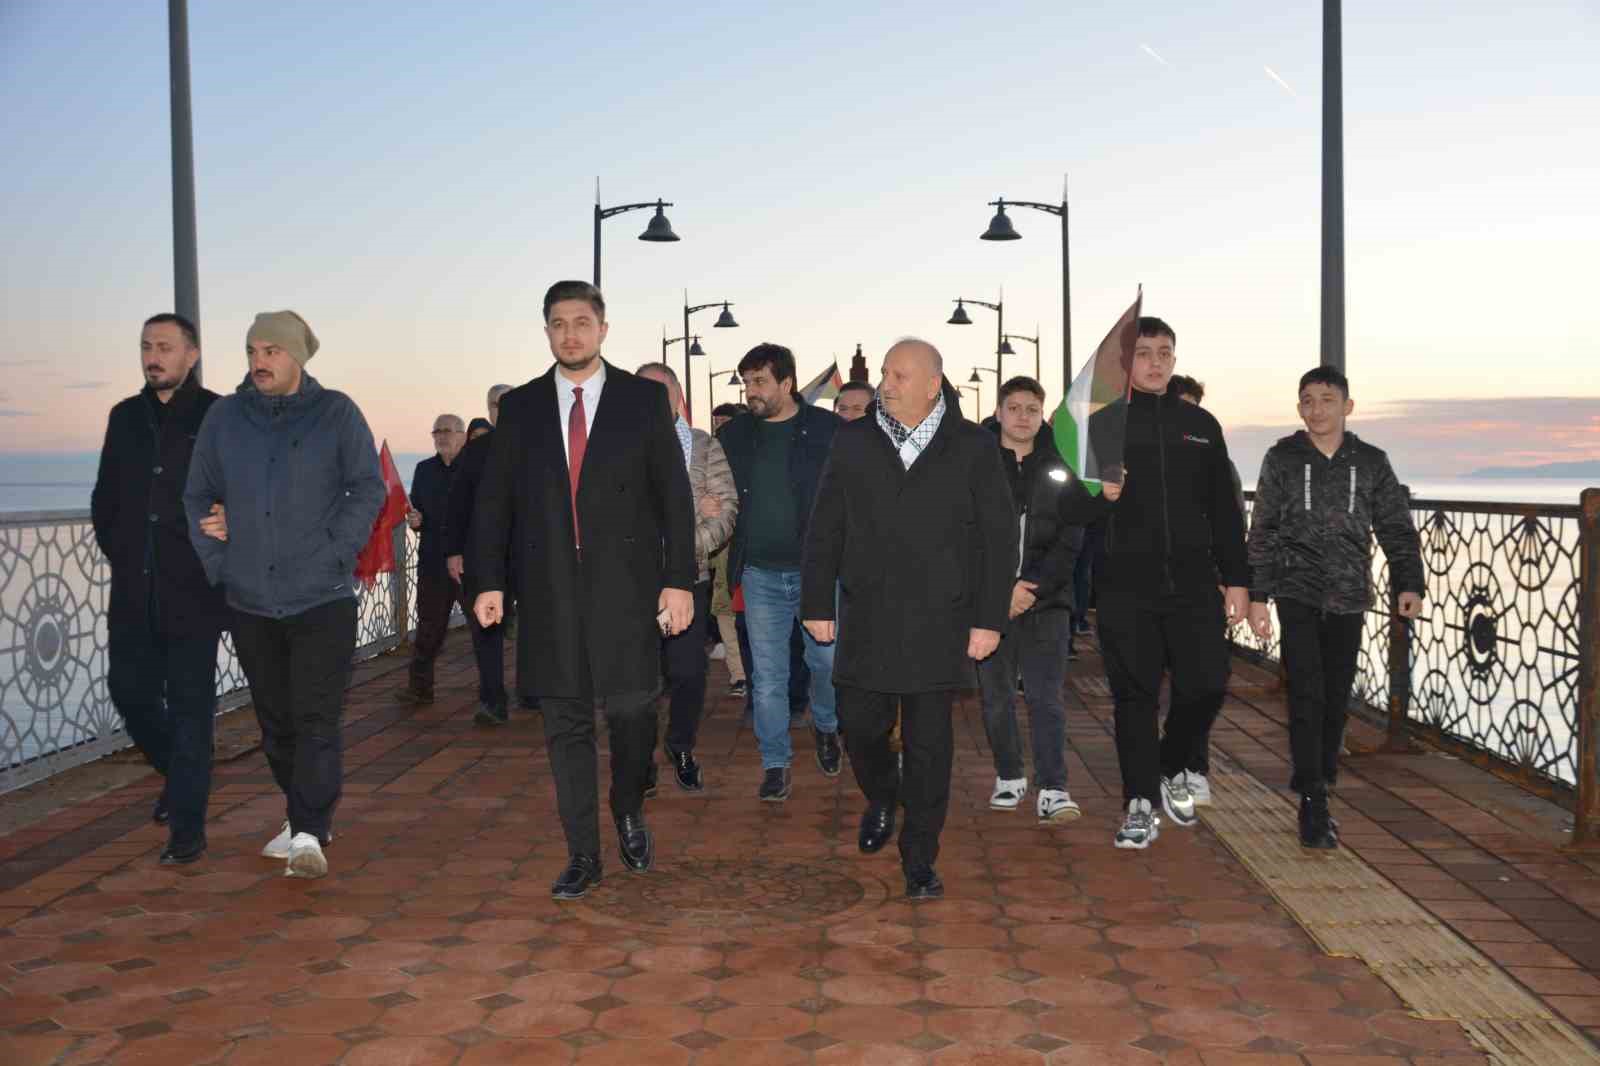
[
  {"x": 299, "y": 478},
  {"x": 813, "y": 439},
  {"x": 430, "y": 494}
]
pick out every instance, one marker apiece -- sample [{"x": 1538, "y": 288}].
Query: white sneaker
[
  {"x": 1139, "y": 828},
  {"x": 1055, "y": 805},
  {"x": 719, "y": 652},
  {"x": 278, "y": 846},
  {"x": 1008, "y": 794},
  {"x": 1176, "y": 800},
  {"x": 305, "y": 857},
  {"x": 1199, "y": 787}
]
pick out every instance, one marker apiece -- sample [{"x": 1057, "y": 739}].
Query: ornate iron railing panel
[
  {"x": 1494, "y": 660},
  {"x": 55, "y": 710}
]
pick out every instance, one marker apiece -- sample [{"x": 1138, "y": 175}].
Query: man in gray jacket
[
  {"x": 683, "y": 657},
  {"x": 282, "y": 493}
]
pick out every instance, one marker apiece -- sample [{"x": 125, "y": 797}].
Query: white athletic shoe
[
  {"x": 719, "y": 652},
  {"x": 1139, "y": 828},
  {"x": 278, "y": 846},
  {"x": 1055, "y": 805},
  {"x": 1199, "y": 787},
  {"x": 305, "y": 857},
  {"x": 1176, "y": 800},
  {"x": 1007, "y": 795}
]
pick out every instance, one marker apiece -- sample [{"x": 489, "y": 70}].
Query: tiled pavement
[{"x": 762, "y": 936}]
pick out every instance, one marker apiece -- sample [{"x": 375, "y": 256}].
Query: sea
[{"x": 62, "y": 481}]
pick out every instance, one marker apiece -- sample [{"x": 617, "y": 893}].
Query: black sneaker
[
  {"x": 1316, "y": 830},
  {"x": 687, "y": 771},
  {"x": 489, "y": 714},
  {"x": 923, "y": 884},
  {"x": 739, "y": 688},
  {"x": 827, "y": 752},
  {"x": 775, "y": 785}
]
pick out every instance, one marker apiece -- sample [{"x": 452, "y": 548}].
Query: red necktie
[{"x": 577, "y": 442}]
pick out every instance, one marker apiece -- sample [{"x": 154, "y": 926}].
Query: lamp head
[
  {"x": 694, "y": 347},
  {"x": 960, "y": 318},
  {"x": 659, "y": 228},
  {"x": 725, "y": 320},
  {"x": 1000, "y": 227}
]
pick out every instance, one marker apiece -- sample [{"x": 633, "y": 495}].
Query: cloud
[
  {"x": 1277, "y": 78},
  {"x": 87, "y": 385},
  {"x": 1451, "y": 437},
  {"x": 1151, "y": 52}
]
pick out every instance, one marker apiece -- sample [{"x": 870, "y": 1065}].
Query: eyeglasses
[{"x": 439, "y": 431}]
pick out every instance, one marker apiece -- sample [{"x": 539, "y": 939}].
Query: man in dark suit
[
  {"x": 914, "y": 521},
  {"x": 586, "y": 467},
  {"x": 437, "y": 594},
  {"x": 164, "y": 618}
]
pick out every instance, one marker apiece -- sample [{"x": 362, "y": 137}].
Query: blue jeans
[{"x": 771, "y": 605}]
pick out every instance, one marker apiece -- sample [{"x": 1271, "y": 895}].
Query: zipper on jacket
[
  {"x": 152, "y": 604},
  {"x": 1168, "y": 585}
]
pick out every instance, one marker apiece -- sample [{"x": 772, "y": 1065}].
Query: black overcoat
[
  {"x": 922, "y": 556},
  {"x": 637, "y": 516}
]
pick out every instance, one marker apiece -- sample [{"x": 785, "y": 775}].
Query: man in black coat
[
  {"x": 586, "y": 467},
  {"x": 1171, "y": 577},
  {"x": 914, "y": 526},
  {"x": 164, "y": 618},
  {"x": 437, "y": 594},
  {"x": 488, "y": 644}
]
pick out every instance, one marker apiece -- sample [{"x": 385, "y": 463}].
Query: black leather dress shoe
[
  {"x": 637, "y": 844},
  {"x": 923, "y": 884},
  {"x": 582, "y": 874},
  {"x": 160, "y": 814},
  {"x": 687, "y": 771},
  {"x": 877, "y": 828},
  {"x": 182, "y": 854},
  {"x": 827, "y": 752}
]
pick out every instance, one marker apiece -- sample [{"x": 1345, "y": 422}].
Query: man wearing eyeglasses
[{"x": 436, "y": 592}]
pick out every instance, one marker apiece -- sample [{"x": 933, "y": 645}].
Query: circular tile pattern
[{"x": 702, "y": 894}]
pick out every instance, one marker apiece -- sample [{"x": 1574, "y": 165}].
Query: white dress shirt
[{"x": 591, "y": 401}]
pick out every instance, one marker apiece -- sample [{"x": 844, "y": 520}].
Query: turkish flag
[{"x": 378, "y": 556}]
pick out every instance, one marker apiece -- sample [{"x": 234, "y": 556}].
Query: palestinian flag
[
  {"x": 825, "y": 386},
  {"x": 1104, "y": 380}
]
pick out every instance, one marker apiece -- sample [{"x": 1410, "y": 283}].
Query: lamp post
[
  {"x": 667, "y": 342},
  {"x": 977, "y": 396},
  {"x": 1332, "y": 187},
  {"x": 1033, "y": 340},
  {"x": 724, "y": 321},
  {"x": 733, "y": 379},
  {"x": 977, "y": 385},
  {"x": 1001, "y": 347},
  {"x": 659, "y": 230},
  {"x": 1001, "y": 229},
  {"x": 185, "y": 257}
]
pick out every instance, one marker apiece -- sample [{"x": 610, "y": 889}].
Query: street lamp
[
  {"x": 1033, "y": 340},
  {"x": 1001, "y": 348},
  {"x": 667, "y": 342},
  {"x": 733, "y": 379},
  {"x": 1001, "y": 229},
  {"x": 977, "y": 396},
  {"x": 659, "y": 229},
  {"x": 724, "y": 321}
]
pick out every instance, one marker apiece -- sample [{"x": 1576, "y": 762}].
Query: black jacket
[
  {"x": 1314, "y": 518},
  {"x": 921, "y": 557},
  {"x": 637, "y": 516},
  {"x": 814, "y": 432},
  {"x": 137, "y": 509},
  {"x": 430, "y": 494},
  {"x": 1054, "y": 507},
  {"x": 1176, "y": 531},
  {"x": 458, "y": 510}
]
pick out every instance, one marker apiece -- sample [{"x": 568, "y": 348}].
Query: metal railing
[
  {"x": 1501, "y": 666},
  {"x": 55, "y": 710}
]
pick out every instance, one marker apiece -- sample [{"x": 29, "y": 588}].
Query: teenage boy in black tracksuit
[
  {"x": 1322, "y": 495},
  {"x": 1052, "y": 506},
  {"x": 1172, "y": 574}
]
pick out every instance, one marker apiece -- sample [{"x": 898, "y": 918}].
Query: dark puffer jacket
[
  {"x": 1312, "y": 528},
  {"x": 1054, "y": 507}
]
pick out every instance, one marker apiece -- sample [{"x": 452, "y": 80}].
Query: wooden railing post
[{"x": 1586, "y": 812}]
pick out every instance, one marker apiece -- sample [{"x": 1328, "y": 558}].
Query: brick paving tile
[{"x": 761, "y": 936}]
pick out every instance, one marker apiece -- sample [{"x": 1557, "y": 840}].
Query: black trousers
[
  {"x": 1321, "y": 652},
  {"x": 928, "y": 744},
  {"x": 1034, "y": 648},
  {"x": 436, "y": 595},
  {"x": 684, "y": 665},
  {"x": 489, "y": 649},
  {"x": 1139, "y": 642},
  {"x": 165, "y": 690},
  {"x": 299, "y": 670},
  {"x": 569, "y": 736}
]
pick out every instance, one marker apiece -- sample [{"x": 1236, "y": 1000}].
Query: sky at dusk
[{"x": 411, "y": 176}]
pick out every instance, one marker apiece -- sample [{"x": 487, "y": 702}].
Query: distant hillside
[{"x": 1579, "y": 469}]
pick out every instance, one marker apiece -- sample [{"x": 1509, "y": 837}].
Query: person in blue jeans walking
[{"x": 777, "y": 451}]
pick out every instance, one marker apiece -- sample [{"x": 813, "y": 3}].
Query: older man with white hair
[{"x": 914, "y": 536}]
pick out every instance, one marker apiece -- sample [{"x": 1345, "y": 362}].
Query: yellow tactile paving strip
[{"x": 1352, "y": 910}]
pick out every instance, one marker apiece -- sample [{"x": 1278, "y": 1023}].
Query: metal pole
[
  {"x": 999, "y": 338},
  {"x": 1586, "y": 811},
  {"x": 1066, "y": 298},
  {"x": 1332, "y": 187},
  {"x": 185, "y": 254},
  {"x": 688, "y": 385},
  {"x": 597, "y": 243}
]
